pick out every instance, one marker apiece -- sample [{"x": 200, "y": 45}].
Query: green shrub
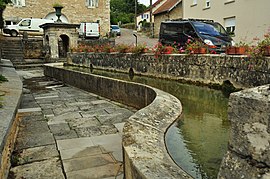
[{"x": 128, "y": 26}]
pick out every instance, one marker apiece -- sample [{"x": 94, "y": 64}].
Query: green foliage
[
  {"x": 123, "y": 11},
  {"x": 3, "y": 4},
  {"x": 2, "y": 78},
  {"x": 129, "y": 26}
]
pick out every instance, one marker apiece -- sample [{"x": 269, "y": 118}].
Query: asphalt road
[{"x": 128, "y": 38}]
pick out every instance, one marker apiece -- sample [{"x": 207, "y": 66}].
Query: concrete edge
[
  {"x": 145, "y": 153},
  {"x": 8, "y": 124}
]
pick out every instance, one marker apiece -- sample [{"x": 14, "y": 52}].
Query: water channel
[{"x": 198, "y": 140}]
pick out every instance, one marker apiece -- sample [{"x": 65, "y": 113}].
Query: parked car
[
  {"x": 115, "y": 29},
  {"x": 89, "y": 30},
  {"x": 179, "y": 31},
  {"x": 29, "y": 25}
]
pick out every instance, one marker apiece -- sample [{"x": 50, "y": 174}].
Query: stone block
[
  {"x": 249, "y": 114},
  {"x": 44, "y": 169},
  {"x": 35, "y": 154}
]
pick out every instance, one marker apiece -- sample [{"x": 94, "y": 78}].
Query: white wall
[{"x": 252, "y": 16}]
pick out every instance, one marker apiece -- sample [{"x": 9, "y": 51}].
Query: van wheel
[{"x": 13, "y": 33}]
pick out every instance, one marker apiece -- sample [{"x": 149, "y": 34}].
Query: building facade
[
  {"x": 74, "y": 11},
  {"x": 246, "y": 19}
]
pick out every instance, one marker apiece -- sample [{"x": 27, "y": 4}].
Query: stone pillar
[
  {"x": 248, "y": 155},
  {"x": 53, "y": 43}
]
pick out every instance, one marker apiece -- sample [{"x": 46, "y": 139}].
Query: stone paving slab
[
  {"x": 100, "y": 172},
  {"x": 44, "y": 169},
  {"x": 29, "y": 110},
  {"x": 34, "y": 140},
  {"x": 85, "y": 162},
  {"x": 35, "y": 154},
  {"x": 82, "y": 152},
  {"x": 74, "y": 143},
  {"x": 85, "y": 128}
]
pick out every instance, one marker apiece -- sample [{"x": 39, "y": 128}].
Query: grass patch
[{"x": 2, "y": 78}]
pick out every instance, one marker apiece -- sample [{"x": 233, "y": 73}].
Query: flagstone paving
[{"x": 66, "y": 132}]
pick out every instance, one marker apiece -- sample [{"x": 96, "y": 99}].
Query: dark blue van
[{"x": 179, "y": 31}]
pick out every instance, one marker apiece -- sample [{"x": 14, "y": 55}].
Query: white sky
[{"x": 146, "y": 2}]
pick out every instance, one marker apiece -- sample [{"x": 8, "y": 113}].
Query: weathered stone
[
  {"x": 87, "y": 162},
  {"x": 235, "y": 167},
  {"x": 44, "y": 169},
  {"x": 34, "y": 140},
  {"x": 104, "y": 171},
  {"x": 249, "y": 113},
  {"x": 81, "y": 152},
  {"x": 88, "y": 131},
  {"x": 35, "y": 154}
]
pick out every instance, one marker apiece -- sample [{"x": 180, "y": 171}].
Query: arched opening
[
  {"x": 53, "y": 16},
  {"x": 63, "y": 46}
]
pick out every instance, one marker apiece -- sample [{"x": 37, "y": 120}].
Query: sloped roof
[{"x": 167, "y": 6}]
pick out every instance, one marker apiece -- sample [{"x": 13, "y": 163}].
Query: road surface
[{"x": 128, "y": 38}]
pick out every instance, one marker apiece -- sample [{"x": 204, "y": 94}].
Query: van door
[
  {"x": 25, "y": 25},
  {"x": 169, "y": 33},
  {"x": 188, "y": 33}
]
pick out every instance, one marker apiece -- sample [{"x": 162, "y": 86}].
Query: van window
[
  {"x": 25, "y": 22},
  {"x": 206, "y": 29},
  {"x": 188, "y": 29},
  {"x": 170, "y": 29}
]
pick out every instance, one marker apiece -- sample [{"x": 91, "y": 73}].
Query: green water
[{"x": 198, "y": 141}]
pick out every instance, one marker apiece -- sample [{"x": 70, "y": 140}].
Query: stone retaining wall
[
  {"x": 33, "y": 48},
  {"x": 241, "y": 71},
  {"x": 145, "y": 154}
]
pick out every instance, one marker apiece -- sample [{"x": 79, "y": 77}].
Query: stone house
[
  {"x": 74, "y": 11},
  {"x": 246, "y": 19},
  {"x": 171, "y": 9}
]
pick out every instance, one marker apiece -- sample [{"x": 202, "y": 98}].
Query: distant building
[
  {"x": 73, "y": 11},
  {"x": 145, "y": 16},
  {"x": 246, "y": 19}
]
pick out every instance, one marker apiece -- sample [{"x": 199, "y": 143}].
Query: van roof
[{"x": 180, "y": 20}]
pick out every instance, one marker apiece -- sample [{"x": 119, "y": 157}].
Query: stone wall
[
  {"x": 241, "y": 71},
  {"x": 145, "y": 154},
  {"x": 249, "y": 144},
  {"x": 75, "y": 11},
  {"x": 33, "y": 48}
]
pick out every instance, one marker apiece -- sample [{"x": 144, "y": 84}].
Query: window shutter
[
  {"x": 86, "y": 3},
  {"x": 23, "y": 2},
  {"x": 96, "y": 3}
]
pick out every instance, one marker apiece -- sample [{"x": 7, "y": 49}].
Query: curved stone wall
[{"x": 145, "y": 154}]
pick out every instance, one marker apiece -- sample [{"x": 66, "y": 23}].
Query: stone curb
[{"x": 8, "y": 125}]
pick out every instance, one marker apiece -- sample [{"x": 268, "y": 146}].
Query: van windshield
[{"x": 209, "y": 29}]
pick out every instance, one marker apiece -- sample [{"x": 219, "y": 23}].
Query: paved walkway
[{"x": 66, "y": 132}]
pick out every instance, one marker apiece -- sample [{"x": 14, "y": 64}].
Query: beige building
[
  {"x": 74, "y": 11},
  {"x": 248, "y": 19}
]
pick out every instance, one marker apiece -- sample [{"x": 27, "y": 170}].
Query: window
[
  {"x": 207, "y": 3},
  {"x": 92, "y": 3},
  {"x": 26, "y": 23},
  {"x": 18, "y": 3},
  {"x": 230, "y": 25}
]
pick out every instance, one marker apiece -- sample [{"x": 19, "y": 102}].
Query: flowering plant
[{"x": 193, "y": 46}]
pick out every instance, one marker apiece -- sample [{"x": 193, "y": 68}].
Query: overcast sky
[{"x": 147, "y": 2}]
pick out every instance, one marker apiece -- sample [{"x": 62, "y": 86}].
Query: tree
[
  {"x": 124, "y": 10},
  {"x": 3, "y": 4}
]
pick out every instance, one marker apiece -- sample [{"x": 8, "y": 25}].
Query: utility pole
[
  {"x": 135, "y": 18},
  {"x": 151, "y": 23}
]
